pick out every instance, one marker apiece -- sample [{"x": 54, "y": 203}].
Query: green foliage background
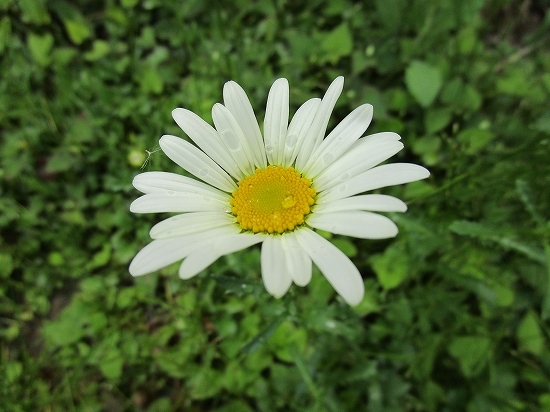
[{"x": 456, "y": 315}]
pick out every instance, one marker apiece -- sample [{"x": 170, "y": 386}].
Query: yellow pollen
[{"x": 274, "y": 200}]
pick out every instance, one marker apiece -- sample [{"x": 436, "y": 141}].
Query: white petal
[
  {"x": 373, "y": 203},
  {"x": 177, "y": 202},
  {"x": 163, "y": 252},
  {"x": 167, "y": 183},
  {"x": 298, "y": 263},
  {"x": 363, "y": 155},
  {"x": 354, "y": 223},
  {"x": 196, "y": 162},
  {"x": 339, "y": 140},
  {"x": 319, "y": 125},
  {"x": 209, "y": 251},
  {"x": 233, "y": 138},
  {"x": 187, "y": 223},
  {"x": 381, "y": 176},
  {"x": 334, "y": 265},
  {"x": 274, "y": 274},
  {"x": 297, "y": 130},
  {"x": 207, "y": 138},
  {"x": 236, "y": 100},
  {"x": 276, "y": 120}
]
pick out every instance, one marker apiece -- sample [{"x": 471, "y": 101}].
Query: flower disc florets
[{"x": 274, "y": 200}]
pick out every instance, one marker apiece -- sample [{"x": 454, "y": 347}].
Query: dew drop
[
  {"x": 231, "y": 140},
  {"x": 269, "y": 149},
  {"x": 342, "y": 188},
  {"x": 203, "y": 172},
  {"x": 288, "y": 202},
  {"x": 207, "y": 199},
  {"x": 344, "y": 176},
  {"x": 291, "y": 141},
  {"x": 171, "y": 193},
  {"x": 328, "y": 158}
]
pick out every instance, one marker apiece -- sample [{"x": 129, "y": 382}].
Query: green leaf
[
  {"x": 150, "y": 80},
  {"x": 6, "y": 265},
  {"x": 529, "y": 334},
  {"x": 5, "y": 33},
  {"x": 527, "y": 198},
  {"x": 260, "y": 339},
  {"x": 391, "y": 267},
  {"x": 437, "y": 119},
  {"x": 13, "y": 371},
  {"x": 479, "y": 230},
  {"x": 428, "y": 147},
  {"x": 474, "y": 139},
  {"x": 336, "y": 44},
  {"x": 423, "y": 82},
  {"x": 471, "y": 352},
  {"x": 61, "y": 161},
  {"x": 69, "y": 327},
  {"x": 41, "y": 47},
  {"x": 369, "y": 304},
  {"x": 111, "y": 365},
  {"x": 34, "y": 11},
  {"x": 346, "y": 246},
  {"x": 100, "y": 49},
  {"x": 78, "y": 30},
  {"x": 460, "y": 95}
]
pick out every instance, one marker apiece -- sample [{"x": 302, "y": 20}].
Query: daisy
[{"x": 274, "y": 189}]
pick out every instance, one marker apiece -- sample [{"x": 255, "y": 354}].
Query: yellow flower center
[{"x": 274, "y": 199}]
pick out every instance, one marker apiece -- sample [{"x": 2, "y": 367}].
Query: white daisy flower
[{"x": 274, "y": 189}]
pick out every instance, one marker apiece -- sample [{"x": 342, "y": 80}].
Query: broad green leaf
[
  {"x": 471, "y": 352},
  {"x": 78, "y": 30},
  {"x": 150, "y": 80},
  {"x": 436, "y": 119},
  {"x": 460, "y": 95},
  {"x": 100, "y": 48},
  {"x": 428, "y": 147},
  {"x": 529, "y": 334},
  {"x": 41, "y": 47},
  {"x": 34, "y": 11},
  {"x": 336, "y": 44},
  {"x": 423, "y": 82},
  {"x": 390, "y": 13},
  {"x": 346, "y": 246},
  {"x": 13, "y": 371},
  {"x": 474, "y": 139},
  {"x": 391, "y": 267},
  {"x": 61, "y": 161}
]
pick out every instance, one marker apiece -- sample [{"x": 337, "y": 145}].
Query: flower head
[{"x": 274, "y": 189}]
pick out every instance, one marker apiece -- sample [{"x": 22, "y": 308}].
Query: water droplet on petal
[
  {"x": 342, "y": 188},
  {"x": 291, "y": 141},
  {"x": 328, "y": 158},
  {"x": 171, "y": 193},
  {"x": 344, "y": 176},
  {"x": 231, "y": 140},
  {"x": 288, "y": 202},
  {"x": 269, "y": 149},
  {"x": 203, "y": 172}
]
